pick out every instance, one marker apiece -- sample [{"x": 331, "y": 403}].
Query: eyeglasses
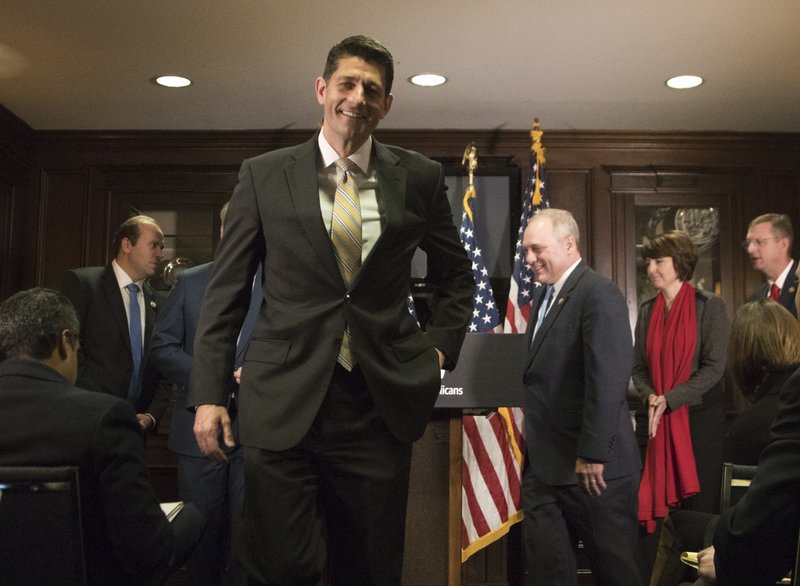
[{"x": 759, "y": 242}]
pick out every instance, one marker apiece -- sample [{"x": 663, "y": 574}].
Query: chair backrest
[
  {"x": 40, "y": 526},
  {"x": 796, "y": 573},
  {"x": 735, "y": 480}
]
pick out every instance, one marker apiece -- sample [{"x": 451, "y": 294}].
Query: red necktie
[{"x": 774, "y": 292}]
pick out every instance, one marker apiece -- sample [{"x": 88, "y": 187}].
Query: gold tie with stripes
[{"x": 346, "y": 239}]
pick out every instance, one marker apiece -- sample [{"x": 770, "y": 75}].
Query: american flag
[
  {"x": 493, "y": 447},
  {"x": 490, "y": 476},
  {"x": 520, "y": 291},
  {"x": 485, "y": 316}
]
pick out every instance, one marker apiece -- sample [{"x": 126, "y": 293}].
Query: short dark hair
[
  {"x": 130, "y": 229},
  {"x": 764, "y": 339},
  {"x": 677, "y": 245},
  {"x": 781, "y": 224},
  {"x": 366, "y": 48},
  {"x": 31, "y": 323}
]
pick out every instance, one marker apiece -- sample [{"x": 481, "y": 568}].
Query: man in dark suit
[
  {"x": 102, "y": 298},
  {"x": 46, "y": 421},
  {"x": 769, "y": 245},
  {"x": 755, "y": 542},
  {"x": 582, "y": 474},
  {"x": 215, "y": 487},
  {"x": 339, "y": 379}
]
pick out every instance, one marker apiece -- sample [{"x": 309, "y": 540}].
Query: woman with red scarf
[{"x": 680, "y": 352}]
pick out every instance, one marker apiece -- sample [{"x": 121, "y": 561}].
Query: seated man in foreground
[{"x": 46, "y": 421}]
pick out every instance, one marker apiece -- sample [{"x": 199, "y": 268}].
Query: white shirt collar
[
  {"x": 360, "y": 157},
  {"x": 123, "y": 279}
]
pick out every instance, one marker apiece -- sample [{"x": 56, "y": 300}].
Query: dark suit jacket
[
  {"x": 576, "y": 382},
  {"x": 787, "y": 293},
  {"x": 104, "y": 359},
  {"x": 44, "y": 421},
  {"x": 756, "y": 540},
  {"x": 274, "y": 216},
  {"x": 173, "y": 347}
]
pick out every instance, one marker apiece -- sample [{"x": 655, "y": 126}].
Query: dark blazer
[
  {"x": 576, "y": 382},
  {"x": 708, "y": 363},
  {"x": 173, "y": 347},
  {"x": 44, "y": 421},
  {"x": 274, "y": 216},
  {"x": 104, "y": 359},
  {"x": 787, "y": 292},
  {"x": 755, "y": 541}
]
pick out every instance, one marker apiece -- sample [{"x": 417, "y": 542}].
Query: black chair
[
  {"x": 735, "y": 480},
  {"x": 40, "y": 526}
]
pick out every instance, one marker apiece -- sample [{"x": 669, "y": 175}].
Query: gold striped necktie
[{"x": 346, "y": 239}]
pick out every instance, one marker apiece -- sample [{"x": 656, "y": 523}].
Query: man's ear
[
  {"x": 64, "y": 344},
  {"x": 320, "y": 86}
]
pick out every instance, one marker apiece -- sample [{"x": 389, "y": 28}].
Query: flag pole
[{"x": 539, "y": 152}]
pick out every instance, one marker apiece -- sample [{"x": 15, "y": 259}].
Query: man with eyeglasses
[{"x": 769, "y": 245}]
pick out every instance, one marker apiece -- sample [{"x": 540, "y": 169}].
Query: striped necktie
[{"x": 346, "y": 239}]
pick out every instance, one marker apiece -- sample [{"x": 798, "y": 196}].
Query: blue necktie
[
  {"x": 548, "y": 295},
  {"x": 134, "y": 389}
]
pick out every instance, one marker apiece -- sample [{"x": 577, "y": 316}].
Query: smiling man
[
  {"x": 338, "y": 379},
  {"x": 117, "y": 310},
  {"x": 582, "y": 475}
]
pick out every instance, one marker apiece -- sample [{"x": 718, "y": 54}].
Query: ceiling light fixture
[
  {"x": 684, "y": 82},
  {"x": 427, "y": 79},
  {"x": 172, "y": 81}
]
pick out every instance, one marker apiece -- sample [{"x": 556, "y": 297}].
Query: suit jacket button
[{"x": 348, "y": 298}]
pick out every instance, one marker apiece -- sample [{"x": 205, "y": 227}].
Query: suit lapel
[
  {"x": 301, "y": 177},
  {"x": 559, "y": 303},
  {"x": 789, "y": 288},
  {"x": 391, "y": 194},
  {"x": 150, "y": 313},
  {"x": 111, "y": 291}
]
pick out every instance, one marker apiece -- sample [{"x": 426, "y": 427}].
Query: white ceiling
[{"x": 576, "y": 64}]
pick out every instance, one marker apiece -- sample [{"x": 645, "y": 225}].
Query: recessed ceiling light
[
  {"x": 684, "y": 82},
  {"x": 427, "y": 79},
  {"x": 173, "y": 81}
]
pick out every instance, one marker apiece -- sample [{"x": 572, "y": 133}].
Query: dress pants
[
  {"x": 217, "y": 490},
  {"x": 335, "y": 502},
  {"x": 556, "y": 517}
]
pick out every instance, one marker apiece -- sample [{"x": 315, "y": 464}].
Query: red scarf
[{"x": 670, "y": 473}]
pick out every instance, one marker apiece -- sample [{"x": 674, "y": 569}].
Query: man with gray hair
[
  {"x": 582, "y": 475},
  {"x": 46, "y": 421},
  {"x": 769, "y": 245}
]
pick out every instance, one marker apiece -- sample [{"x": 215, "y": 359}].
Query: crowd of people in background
[{"x": 300, "y": 381}]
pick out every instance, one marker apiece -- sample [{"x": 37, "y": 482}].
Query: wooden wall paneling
[
  {"x": 164, "y": 166},
  {"x": 570, "y": 189},
  {"x": 62, "y": 230},
  {"x": 8, "y": 260},
  {"x": 17, "y": 265},
  {"x": 426, "y": 542}
]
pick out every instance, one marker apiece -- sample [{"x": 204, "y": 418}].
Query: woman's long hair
[{"x": 765, "y": 339}]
